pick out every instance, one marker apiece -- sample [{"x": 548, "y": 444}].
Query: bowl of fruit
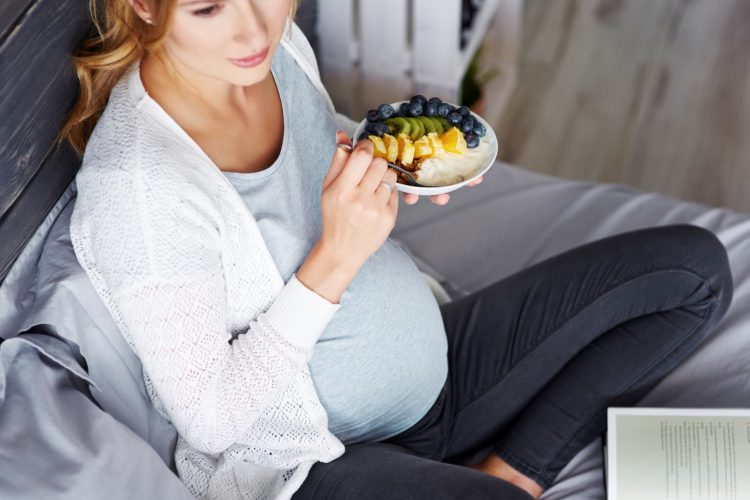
[{"x": 442, "y": 145}]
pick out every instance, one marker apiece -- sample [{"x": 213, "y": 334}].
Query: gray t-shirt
[{"x": 382, "y": 360}]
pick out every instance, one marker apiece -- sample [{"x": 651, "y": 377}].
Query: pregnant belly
[{"x": 381, "y": 362}]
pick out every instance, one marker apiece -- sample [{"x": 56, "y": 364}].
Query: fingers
[
  {"x": 410, "y": 199},
  {"x": 476, "y": 181},
  {"x": 386, "y": 191},
  {"x": 357, "y": 168},
  {"x": 374, "y": 174},
  {"x": 437, "y": 199},
  {"x": 343, "y": 138},
  {"x": 357, "y": 165},
  {"x": 340, "y": 157},
  {"x": 440, "y": 199},
  {"x": 393, "y": 201}
]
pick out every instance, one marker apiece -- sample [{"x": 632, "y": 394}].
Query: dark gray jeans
[{"x": 535, "y": 360}]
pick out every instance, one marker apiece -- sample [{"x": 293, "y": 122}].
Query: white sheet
[{"x": 516, "y": 218}]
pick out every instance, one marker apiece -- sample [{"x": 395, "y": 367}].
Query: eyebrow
[{"x": 191, "y": 2}]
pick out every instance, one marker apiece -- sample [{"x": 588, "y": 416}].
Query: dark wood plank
[
  {"x": 21, "y": 221},
  {"x": 37, "y": 88},
  {"x": 11, "y": 12}
]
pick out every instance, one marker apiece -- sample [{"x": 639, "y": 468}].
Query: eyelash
[{"x": 207, "y": 12}]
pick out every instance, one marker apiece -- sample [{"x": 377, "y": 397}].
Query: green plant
[{"x": 473, "y": 82}]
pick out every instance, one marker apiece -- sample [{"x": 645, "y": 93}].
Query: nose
[{"x": 250, "y": 24}]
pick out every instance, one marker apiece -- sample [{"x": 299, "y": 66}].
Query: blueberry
[
  {"x": 467, "y": 126},
  {"x": 363, "y": 136},
  {"x": 381, "y": 129},
  {"x": 386, "y": 111},
  {"x": 403, "y": 110},
  {"x": 444, "y": 109},
  {"x": 419, "y": 98},
  {"x": 464, "y": 111},
  {"x": 454, "y": 118},
  {"x": 479, "y": 129},
  {"x": 416, "y": 108},
  {"x": 430, "y": 109},
  {"x": 438, "y": 101},
  {"x": 373, "y": 116},
  {"x": 378, "y": 128},
  {"x": 472, "y": 140}
]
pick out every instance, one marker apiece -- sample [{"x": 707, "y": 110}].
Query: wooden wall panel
[
  {"x": 10, "y": 12},
  {"x": 37, "y": 88}
]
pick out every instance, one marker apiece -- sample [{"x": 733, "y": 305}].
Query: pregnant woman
[{"x": 243, "y": 249}]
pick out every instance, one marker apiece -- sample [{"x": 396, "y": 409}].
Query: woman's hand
[
  {"x": 359, "y": 205},
  {"x": 437, "y": 199}
]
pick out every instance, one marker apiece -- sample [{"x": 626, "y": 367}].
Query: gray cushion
[
  {"x": 70, "y": 448},
  {"x": 46, "y": 285}
]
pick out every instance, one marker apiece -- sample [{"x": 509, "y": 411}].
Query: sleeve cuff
[{"x": 300, "y": 315}]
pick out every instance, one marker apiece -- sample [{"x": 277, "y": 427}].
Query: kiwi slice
[
  {"x": 392, "y": 128},
  {"x": 438, "y": 125},
  {"x": 417, "y": 129},
  {"x": 429, "y": 127},
  {"x": 400, "y": 125},
  {"x": 422, "y": 129},
  {"x": 446, "y": 124}
]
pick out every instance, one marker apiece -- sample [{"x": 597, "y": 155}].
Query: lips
[{"x": 253, "y": 60}]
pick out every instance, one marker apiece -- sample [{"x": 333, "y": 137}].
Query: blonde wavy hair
[{"x": 121, "y": 38}]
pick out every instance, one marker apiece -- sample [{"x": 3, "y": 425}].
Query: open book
[{"x": 677, "y": 454}]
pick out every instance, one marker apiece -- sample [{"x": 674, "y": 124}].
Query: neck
[{"x": 162, "y": 74}]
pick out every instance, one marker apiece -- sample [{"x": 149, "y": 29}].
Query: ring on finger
[
  {"x": 344, "y": 147},
  {"x": 387, "y": 185}
]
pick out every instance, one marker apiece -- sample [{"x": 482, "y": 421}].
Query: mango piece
[
  {"x": 407, "y": 154},
  {"x": 436, "y": 143},
  {"x": 380, "y": 149},
  {"x": 422, "y": 147},
  {"x": 405, "y": 149},
  {"x": 391, "y": 147}
]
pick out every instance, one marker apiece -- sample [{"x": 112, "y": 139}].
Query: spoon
[{"x": 409, "y": 176}]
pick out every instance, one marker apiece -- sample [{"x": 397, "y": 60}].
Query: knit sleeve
[{"x": 158, "y": 266}]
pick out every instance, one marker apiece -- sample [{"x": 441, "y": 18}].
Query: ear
[{"x": 141, "y": 9}]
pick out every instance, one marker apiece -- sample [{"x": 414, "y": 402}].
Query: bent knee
[{"x": 706, "y": 255}]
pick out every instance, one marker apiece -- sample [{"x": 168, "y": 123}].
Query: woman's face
[{"x": 209, "y": 37}]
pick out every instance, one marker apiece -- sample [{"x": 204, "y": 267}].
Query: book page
[{"x": 678, "y": 454}]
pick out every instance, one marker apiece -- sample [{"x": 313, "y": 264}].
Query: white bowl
[{"x": 489, "y": 136}]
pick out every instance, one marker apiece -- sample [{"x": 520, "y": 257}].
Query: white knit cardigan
[{"x": 180, "y": 263}]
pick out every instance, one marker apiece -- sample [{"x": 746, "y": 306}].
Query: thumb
[{"x": 340, "y": 157}]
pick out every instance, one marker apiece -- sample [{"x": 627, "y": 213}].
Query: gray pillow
[
  {"x": 56, "y": 441},
  {"x": 46, "y": 285}
]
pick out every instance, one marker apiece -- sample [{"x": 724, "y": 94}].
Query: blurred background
[{"x": 650, "y": 93}]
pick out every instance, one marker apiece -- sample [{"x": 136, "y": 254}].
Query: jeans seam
[
  {"x": 643, "y": 374},
  {"x": 649, "y": 272},
  {"x": 523, "y": 467},
  {"x": 574, "y": 316}
]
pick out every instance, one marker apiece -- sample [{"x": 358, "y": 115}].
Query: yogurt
[{"x": 452, "y": 168}]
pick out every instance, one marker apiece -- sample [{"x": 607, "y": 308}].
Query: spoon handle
[{"x": 409, "y": 176}]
